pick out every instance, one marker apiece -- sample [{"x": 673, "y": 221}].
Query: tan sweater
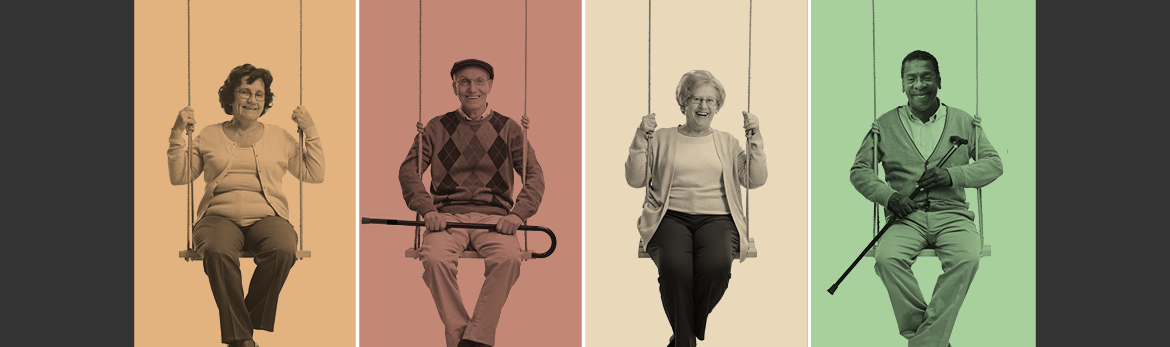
[{"x": 277, "y": 152}]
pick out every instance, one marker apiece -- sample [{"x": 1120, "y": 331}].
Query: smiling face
[
  {"x": 920, "y": 82},
  {"x": 472, "y": 85},
  {"x": 701, "y": 107},
  {"x": 249, "y": 100}
]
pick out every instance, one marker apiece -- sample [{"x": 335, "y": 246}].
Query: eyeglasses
[
  {"x": 466, "y": 82},
  {"x": 696, "y": 101},
  {"x": 927, "y": 78},
  {"x": 244, "y": 94}
]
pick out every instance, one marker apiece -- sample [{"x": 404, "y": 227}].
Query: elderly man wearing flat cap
[{"x": 475, "y": 151}]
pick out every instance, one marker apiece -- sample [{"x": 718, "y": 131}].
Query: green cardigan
[
  {"x": 903, "y": 163},
  {"x": 661, "y": 150}
]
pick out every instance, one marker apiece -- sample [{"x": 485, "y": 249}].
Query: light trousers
[
  {"x": 219, "y": 241},
  {"x": 693, "y": 254},
  {"x": 959, "y": 247},
  {"x": 440, "y": 258}
]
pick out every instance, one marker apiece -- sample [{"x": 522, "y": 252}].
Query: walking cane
[{"x": 956, "y": 141}]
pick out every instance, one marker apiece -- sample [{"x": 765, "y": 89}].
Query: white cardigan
[{"x": 661, "y": 150}]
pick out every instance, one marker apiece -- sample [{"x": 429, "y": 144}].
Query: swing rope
[
  {"x": 190, "y": 128},
  {"x": 189, "y": 165},
  {"x": 524, "y": 129},
  {"x": 418, "y": 216},
  {"x": 301, "y": 132},
  {"x": 747, "y": 197},
  {"x": 649, "y": 150},
  {"x": 978, "y": 190},
  {"x": 873, "y": 42}
]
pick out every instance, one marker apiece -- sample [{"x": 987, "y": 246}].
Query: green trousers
[{"x": 959, "y": 247}]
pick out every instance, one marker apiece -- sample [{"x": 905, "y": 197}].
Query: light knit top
[
  {"x": 697, "y": 187},
  {"x": 239, "y": 196},
  {"x": 276, "y": 153}
]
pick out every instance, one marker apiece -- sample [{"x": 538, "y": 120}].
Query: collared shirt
[
  {"x": 925, "y": 135},
  {"x": 486, "y": 111}
]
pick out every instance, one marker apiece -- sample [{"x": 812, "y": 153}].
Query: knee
[
  {"x": 284, "y": 250},
  {"x": 717, "y": 270},
  {"x": 508, "y": 257},
  {"x": 437, "y": 260},
  {"x": 889, "y": 261},
  {"x": 675, "y": 270},
  {"x": 966, "y": 259},
  {"x": 212, "y": 251}
]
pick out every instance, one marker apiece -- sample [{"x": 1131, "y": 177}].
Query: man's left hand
[
  {"x": 508, "y": 224},
  {"x": 935, "y": 177}
]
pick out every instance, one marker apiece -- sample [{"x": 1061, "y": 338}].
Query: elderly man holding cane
[{"x": 925, "y": 202}]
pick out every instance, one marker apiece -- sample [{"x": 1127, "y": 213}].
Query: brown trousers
[
  {"x": 220, "y": 241},
  {"x": 440, "y": 259}
]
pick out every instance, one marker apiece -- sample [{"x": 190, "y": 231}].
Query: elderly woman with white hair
[{"x": 692, "y": 221}]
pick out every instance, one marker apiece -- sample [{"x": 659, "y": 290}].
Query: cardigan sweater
[
  {"x": 276, "y": 152},
  {"x": 904, "y": 165},
  {"x": 660, "y": 152},
  {"x": 476, "y": 160}
]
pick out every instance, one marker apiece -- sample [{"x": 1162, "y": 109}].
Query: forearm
[
  {"x": 532, "y": 194},
  {"x": 181, "y": 170},
  {"x": 410, "y": 178},
  {"x": 864, "y": 177},
  {"x": 637, "y": 172},
  {"x": 313, "y": 159},
  {"x": 984, "y": 170},
  {"x": 759, "y": 163}
]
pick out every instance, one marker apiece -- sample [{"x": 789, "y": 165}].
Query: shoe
[
  {"x": 469, "y": 343},
  {"x": 243, "y": 343}
]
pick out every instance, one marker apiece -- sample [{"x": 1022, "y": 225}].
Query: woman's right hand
[
  {"x": 648, "y": 125},
  {"x": 185, "y": 119}
]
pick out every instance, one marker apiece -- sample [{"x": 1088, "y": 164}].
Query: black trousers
[
  {"x": 219, "y": 241},
  {"x": 694, "y": 255}
]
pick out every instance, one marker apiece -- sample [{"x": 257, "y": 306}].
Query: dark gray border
[
  {"x": 1100, "y": 179},
  {"x": 69, "y": 141}
]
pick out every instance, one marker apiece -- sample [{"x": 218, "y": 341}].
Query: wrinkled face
[
  {"x": 472, "y": 85},
  {"x": 249, "y": 102},
  {"x": 701, "y": 107},
  {"x": 920, "y": 82}
]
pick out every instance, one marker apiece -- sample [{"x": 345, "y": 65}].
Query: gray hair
[{"x": 692, "y": 80}]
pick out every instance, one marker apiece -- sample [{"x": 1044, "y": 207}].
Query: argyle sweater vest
[{"x": 472, "y": 165}]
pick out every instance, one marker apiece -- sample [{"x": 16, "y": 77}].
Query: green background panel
[{"x": 1000, "y": 307}]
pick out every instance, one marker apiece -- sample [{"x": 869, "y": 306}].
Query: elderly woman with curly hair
[
  {"x": 692, "y": 220},
  {"x": 243, "y": 206}
]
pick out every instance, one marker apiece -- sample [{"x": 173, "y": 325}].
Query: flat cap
[{"x": 473, "y": 62}]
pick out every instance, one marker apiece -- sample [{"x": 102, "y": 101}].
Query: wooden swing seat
[
  {"x": 467, "y": 254},
  {"x": 751, "y": 249},
  {"x": 929, "y": 252},
  {"x": 190, "y": 255}
]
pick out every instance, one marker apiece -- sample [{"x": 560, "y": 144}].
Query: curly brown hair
[{"x": 227, "y": 92}]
